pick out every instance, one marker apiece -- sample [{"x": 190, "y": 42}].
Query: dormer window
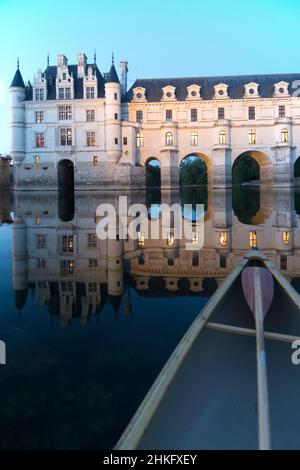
[
  {"x": 39, "y": 94},
  {"x": 90, "y": 92},
  {"x": 90, "y": 84},
  {"x": 139, "y": 94},
  {"x": 281, "y": 89},
  {"x": 168, "y": 93},
  {"x": 193, "y": 92},
  {"x": 39, "y": 87},
  {"x": 221, "y": 91},
  {"x": 251, "y": 90},
  {"x": 64, "y": 93}
]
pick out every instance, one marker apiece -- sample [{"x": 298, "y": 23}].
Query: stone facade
[{"x": 74, "y": 113}]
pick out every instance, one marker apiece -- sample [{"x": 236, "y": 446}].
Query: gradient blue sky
[{"x": 159, "y": 38}]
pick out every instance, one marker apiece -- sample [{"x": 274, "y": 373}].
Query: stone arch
[
  {"x": 297, "y": 168},
  {"x": 65, "y": 175},
  {"x": 153, "y": 172},
  {"x": 264, "y": 162},
  {"x": 202, "y": 157}
]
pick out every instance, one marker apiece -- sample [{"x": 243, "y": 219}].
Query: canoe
[{"x": 205, "y": 396}]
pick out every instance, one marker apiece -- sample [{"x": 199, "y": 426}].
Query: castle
[{"x": 74, "y": 126}]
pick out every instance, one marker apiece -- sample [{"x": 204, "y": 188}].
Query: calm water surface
[{"x": 89, "y": 324}]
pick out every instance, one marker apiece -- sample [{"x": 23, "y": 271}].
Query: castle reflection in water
[{"x": 56, "y": 253}]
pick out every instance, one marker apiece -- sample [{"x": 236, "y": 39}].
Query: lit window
[
  {"x": 169, "y": 138},
  {"x": 37, "y": 220},
  {"x": 37, "y": 159},
  {"x": 223, "y": 238},
  {"x": 91, "y": 139},
  {"x": 251, "y": 113},
  {"x": 95, "y": 160},
  {"x": 66, "y": 136},
  {"x": 64, "y": 113},
  {"x": 170, "y": 239},
  {"x": 284, "y": 135},
  {"x": 39, "y": 140},
  {"x": 194, "y": 138},
  {"x": 194, "y": 115},
  {"x": 252, "y": 137},
  {"x": 169, "y": 115},
  {"x": 139, "y": 140},
  {"x": 90, "y": 115},
  {"x": 139, "y": 116},
  {"x": 141, "y": 239},
  {"x": 221, "y": 113},
  {"x": 286, "y": 237},
  {"x": 39, "y": 94},
  {"x": 90, "y": 92},
  {"x": 281, "y": 111},
  {"x": 252, "y": 239},
  {"x": 222, "y": 137},
  {"x": 67, "y": 267},
  {"x": 39, "y": 117},
  {"x": 67, "y": 245}
]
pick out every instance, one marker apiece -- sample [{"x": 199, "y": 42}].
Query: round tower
[
  {"x": 17, "y": 117},
  {"x": 19, "y": 250},
  {"x": 113, "y": 115}
]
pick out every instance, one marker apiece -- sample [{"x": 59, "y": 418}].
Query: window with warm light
[
  {"x": 284, "y": 135},
  {"x": 169, "y": 138},
  {"x": 67, "y": 244},
  {"x": 170, "y": 239},
  {"x": 194, "y": 138},
  {"x": 223, "y": 238},
  {"x": 252, "y": 239},
  {"x": 37, "y": 159},
  {"x": 286, "y": 237},
  {"x": 95, "y": 160},
  {"x": 222, "y": 137},
  {"x": 141, "y": 239},
  {"x": 139, "y": 139},
  {"x": 252, "y": 137}
]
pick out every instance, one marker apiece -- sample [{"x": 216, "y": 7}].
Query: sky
[{"x": 159, "y": 38}]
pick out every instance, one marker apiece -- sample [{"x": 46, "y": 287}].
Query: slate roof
[
  {"x": 18, "y": 80},
  {"x": 51, "y": 72},
  {"x": 112, "y": 76},
  {"x": 235, "y": 85}
]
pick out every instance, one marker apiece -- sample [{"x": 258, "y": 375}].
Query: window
[
  {"x": 39, "y": 117},
  {"x": 41, "y": 263},
  {"x": 222, "y": 260},
  {"x": 286, "y": 237},
  {"x": 252, "y": 239},
  {"x": 139, "y": 116},
  {"x": 125, "y": 140},
  {"x": 251, "y": 113},
  {"x": 91, "y": 139},
  {"x": 37, "y": 159},
  {"x": 141, "y": 259},
  {"x": 64, "y": 93},
  {"x": 283, "y": 262},
  {"x": 67, "y": 244},
  {"x": 194, "y": 115},
  {"x": 93, "y": 262},
  {"x": 221, "y": 113},
  {"x": 252, "y": 137},
  {"x": 67, "y": 267},
  {"x": 284, "y": 135},
  {"x": 90, "y": 115},
  {"x": 222, "y": 138},
  {"x": 169, "y": 138},
  {"x": 41, "y": 241},
  {"x": 64, "y": 113},
  {"x": 169, "y": 115},
  {"x": 90, "y": 92},
  {"x": 195, "y": 259},
  {"x": 64, "y": 76},
  {"x": 92, "y": 240},
  {"x": 95, "y": 160},
  {"x": 194, "y": 138},
  {"x": 170, "y": 262},
  {"x": 281, "y": 111},
  {"x": 92, "y": 287},
  {"x": 66, "y": 136},
  {"x": 139, "y": 140},
  {"x": 116, "y": 96},
  {"x": 39, "y": 140},
  {"x": 39, "y": 94}
]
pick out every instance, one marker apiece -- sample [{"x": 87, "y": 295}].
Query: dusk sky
[{"x": 158, "y": 38}]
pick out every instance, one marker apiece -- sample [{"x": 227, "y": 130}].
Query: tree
[
  {"x": 245, "y": 169},
  {"x": 193, "y": 171}
]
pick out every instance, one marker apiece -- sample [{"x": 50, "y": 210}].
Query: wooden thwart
[{"x": 249, "y": 332}]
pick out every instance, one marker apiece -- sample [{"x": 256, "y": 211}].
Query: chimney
[
  {"x": 81, "y": 65},
  {"x": 62, "y": 61},
  {"x": 124, "y": 71}
]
